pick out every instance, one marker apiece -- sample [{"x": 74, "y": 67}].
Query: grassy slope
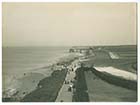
[
  {"x": 50, "y": 86},
  {"x": 49, "y": 90},
  {"x": 102, "y": 91},
  {"x": 128, "y": 63},
  {"x": 81, "y": 94}
]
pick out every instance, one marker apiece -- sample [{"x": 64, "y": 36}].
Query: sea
[{"x": 19, "y": 61}]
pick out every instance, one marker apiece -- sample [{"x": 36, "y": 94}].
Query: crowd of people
[{"x": 71, "y": 81}]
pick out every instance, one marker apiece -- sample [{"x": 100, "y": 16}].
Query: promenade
[{"x": 65, "y": 95}]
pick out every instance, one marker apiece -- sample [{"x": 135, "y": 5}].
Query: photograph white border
[{"x": 74, "y": 103}]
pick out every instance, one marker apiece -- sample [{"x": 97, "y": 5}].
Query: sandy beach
[
  {"x": 30, "y": 80},
  {"x": 77, "y": 78}
]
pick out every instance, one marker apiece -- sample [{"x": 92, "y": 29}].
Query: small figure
[
  {"x": 66, "y": 82},
  {"x": 72, "y": 69},
  {"x": 61, "y": 101},
  {"x": 69, "y": 89},
  {"x": 24, "y": 92},
  {"x": 40, "y": 86},
  {"x": 73, "y": 86}
]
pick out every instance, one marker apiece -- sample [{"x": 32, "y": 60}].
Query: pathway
[{"x": 64, "y": 95}]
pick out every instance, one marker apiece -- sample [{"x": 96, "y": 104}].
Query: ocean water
[{"x": 18, "y": 61}]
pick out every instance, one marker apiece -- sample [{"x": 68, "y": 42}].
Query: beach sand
[{"x": 30, "y": 80}]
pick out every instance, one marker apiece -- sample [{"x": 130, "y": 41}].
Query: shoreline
[
  {"x": 97, "y": 69},
  {"x": 56, "y": 68},
  {"x": 49, "y": 87}
]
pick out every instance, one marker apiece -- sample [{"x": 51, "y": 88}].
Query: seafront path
[{"x": 64, "y": 95}]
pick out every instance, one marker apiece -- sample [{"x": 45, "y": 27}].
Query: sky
[{"x": 68, "y": 24}]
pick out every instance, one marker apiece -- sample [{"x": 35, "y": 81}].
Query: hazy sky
[{"x": 36, "y": 24}]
